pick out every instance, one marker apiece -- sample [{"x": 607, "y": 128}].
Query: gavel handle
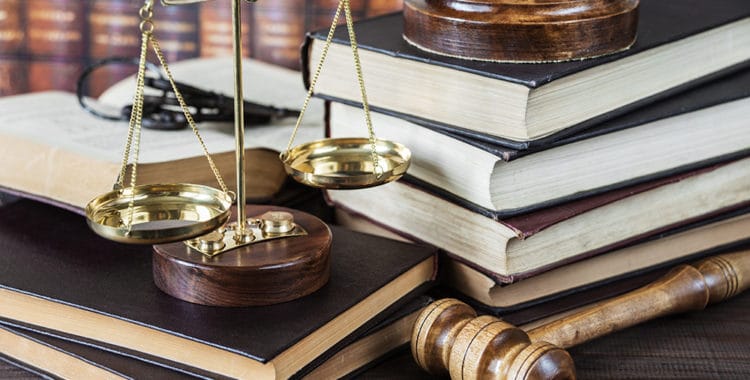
[{"x": 685, "y": 288}]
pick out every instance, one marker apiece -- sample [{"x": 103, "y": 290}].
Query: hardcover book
[
  {"x": 13, "y": 78},
  {"x": 698, "y": 127},
  {"x": 662, "y": 251},
  {"x": 109, "y": 296},
  {"x": 524, "y": 102},
  {"x": 79, "y": 354},
  {"x": 55, "y": 31},
  {"x": 524, "y": 245}
]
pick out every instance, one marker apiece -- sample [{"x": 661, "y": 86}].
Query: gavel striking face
[{"x": 448, "y": 337}]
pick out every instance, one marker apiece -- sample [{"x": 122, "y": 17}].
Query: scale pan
[
  {"x": 346, "y": 163},
  {"x": 162, "y": 213}
]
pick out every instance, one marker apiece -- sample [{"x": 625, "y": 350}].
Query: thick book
[
  {"x": 523, "y": 245},
  {"x": 698, "y": 127},
  {"x": 49, "y": 361},
  {"x": 113, "y": 31},
  {"x": 109, "y": 296},
  {"x": 344, "y": 359},
  {"x": 279, "y": 31},
  {"x": 523, "y": 102},
  {"x": 52, "y": 149},
  {"x": 522, "y": 299},
  {"x": 663, "y": 251},
  {"x": 55, "y": 32},
  {"x": 215, "y": 25}
]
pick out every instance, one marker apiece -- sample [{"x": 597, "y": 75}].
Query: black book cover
[
  {"x": 722, "y": 90},
  {"x": 661, "y": 22},
  {"x": 138, "y": 365},
  {"x": 50, "y": 253}
]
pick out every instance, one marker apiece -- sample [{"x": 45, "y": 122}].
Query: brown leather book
[
  {"x": 56, "y": 42},
  {"x": 177, "y": 30},
  {"x": 320, "y": 12},
  {"x": 109, "y": 296},
  {"x": 215, "y": 24},
  {"x": 113, "y": 31},
  {"x": 279, "y": 31},
  {"x": 13, "y": 77}
]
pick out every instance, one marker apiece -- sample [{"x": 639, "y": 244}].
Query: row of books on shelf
[
  {"x": 44, "y": 44},
  {"x": 543, "y": 187}
]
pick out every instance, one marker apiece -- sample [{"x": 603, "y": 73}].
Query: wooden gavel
[{"x": 449, "y": 337}]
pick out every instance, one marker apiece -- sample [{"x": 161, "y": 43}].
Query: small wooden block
[
  {"x": 264, "y": 273},
  {"x": 521, "y": 30}
]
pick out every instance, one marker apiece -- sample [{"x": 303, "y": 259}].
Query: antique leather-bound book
[
  {"x": 215, "y": 24},
  {"x": 523, "y": 245},
  {"x": 113, "y": 31},
  {"x": 524, "y": 102},
  {"x": 354, "y": 354},
  {"x": 13, "y": 63},
  {"x": 68, "y": 280},
  {"x": 56, "y": 42},
  {"x": 320, "y": 12},
  {"x": 697, "y": 127},
  {"x": 279, "y": 31},
  {"x": 569, "y": 285}
]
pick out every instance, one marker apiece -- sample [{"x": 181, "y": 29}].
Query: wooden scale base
[
  {"x": 521, "y": 30},
  {"x": 264, "y": 273}
]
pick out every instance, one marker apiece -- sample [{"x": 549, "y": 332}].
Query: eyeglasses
[{"x": 163, "y": 112}]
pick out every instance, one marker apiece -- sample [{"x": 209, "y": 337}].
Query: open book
[{"x": 53, "y": 150}]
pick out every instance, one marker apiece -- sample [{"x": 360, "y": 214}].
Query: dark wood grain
[
  {"x": 265, "y": 273},
  {"x": 521, "y": 30}
]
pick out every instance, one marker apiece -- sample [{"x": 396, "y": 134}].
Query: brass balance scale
[{"x": 274, "y": 256}]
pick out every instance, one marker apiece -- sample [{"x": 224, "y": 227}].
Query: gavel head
[{"x": 448, "y": 337}]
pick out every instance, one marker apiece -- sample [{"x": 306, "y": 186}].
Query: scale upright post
[{"x": 239, "y": 121}]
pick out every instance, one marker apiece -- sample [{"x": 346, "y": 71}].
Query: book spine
[
  {"x": 320, "y": 13},
  {"x": 56, "y": 43},
  {"x": 13, "y": 76},
  {"x": 381, "y": 7},
  {"x": 279, "y": 31},
  {"x": 114, "y": 31},
  {"x": 215, "y": 29},
  {"x": 177, "y": 31}
]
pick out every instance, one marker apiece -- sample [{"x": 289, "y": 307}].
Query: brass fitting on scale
[{"x": 268, "y": 226}]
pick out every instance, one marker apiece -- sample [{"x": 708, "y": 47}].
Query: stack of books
[
  {"x": 77, "y": 306},
  {"x": 540, "y": 180}
]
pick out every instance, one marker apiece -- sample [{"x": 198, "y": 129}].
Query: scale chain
[
  {"x": 315, "y": 77},
  {"x": 133, "y": 141},
  {"x": 188, "y": 115},
  {"x": 360, "y": 77}
]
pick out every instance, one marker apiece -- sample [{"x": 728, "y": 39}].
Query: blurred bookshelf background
[{"x": 46, "y": 44}]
